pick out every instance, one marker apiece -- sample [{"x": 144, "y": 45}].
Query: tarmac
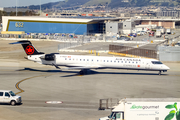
[{"x": 80, "y": 95}]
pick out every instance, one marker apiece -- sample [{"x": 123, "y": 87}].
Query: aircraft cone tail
[{"x": 28, "y": 47}]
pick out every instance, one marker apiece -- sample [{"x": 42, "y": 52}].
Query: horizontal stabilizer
[{"x": 22, "y": 42}]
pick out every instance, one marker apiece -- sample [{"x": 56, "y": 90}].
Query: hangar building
[
  {"x": 38, "y": 24},
  {"x": 76, "y": 25}
]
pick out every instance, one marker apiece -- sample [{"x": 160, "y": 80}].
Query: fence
[
  {"x": 169, "y": 53},
  {"x": 59, "y": 36},
  {"x": 133, "y": 51}
]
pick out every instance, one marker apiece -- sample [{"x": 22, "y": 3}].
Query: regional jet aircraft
[{"x": 83, "y": 63}]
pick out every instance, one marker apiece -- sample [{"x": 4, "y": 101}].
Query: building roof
[{"x": 14, "y": 9}]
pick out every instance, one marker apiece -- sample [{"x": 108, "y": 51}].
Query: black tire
[
  {"x": 81, "y": 72},
  {"x": 13, "y": 103}
]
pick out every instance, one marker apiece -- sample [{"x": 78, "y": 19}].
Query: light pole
[
  {"x": 40, "y": 7},
  {"x": 16, "y": 7}
]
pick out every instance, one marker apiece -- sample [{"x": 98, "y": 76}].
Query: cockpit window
[{"x": 156, "y": 62}]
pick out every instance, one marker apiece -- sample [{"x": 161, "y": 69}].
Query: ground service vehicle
[
  {"x": 158, "y": 33},
  {"x": 151, "y": 33},
  {"x": 7, "y": 96},
  {"x": 146, "y": 109},
  {"x": 168, "y": 31},
  {"x": 160, "y": 28}
]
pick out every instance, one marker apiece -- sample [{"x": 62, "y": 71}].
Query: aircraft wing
[
  {"x": 82, "y": 67},
  {"x": 77, "y": 67}
]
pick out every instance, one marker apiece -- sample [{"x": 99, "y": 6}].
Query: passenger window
[
  {"x": 114, "y": 61},
  {"x": 104, "y": 61},
  {"x": 129, "y": 62},
  {"x": 84, "y": 59},
  {"x": 107, "y": 60},
  {"x": 7, "y": 94},
  {"x": 80, "y": 59},
  {"x": 87, "y": 59},
  {"x": 1, "y": 93},
  {"x": 65, "y": 58},
  {"x": 121, "y": 61},
  {"x": 111, "y": 60},
  {"x": 97, "y": 60}
]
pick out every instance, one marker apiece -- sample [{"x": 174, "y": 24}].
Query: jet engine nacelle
[{"x": 50, "y": 57}]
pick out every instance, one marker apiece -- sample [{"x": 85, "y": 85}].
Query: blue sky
[{"x": 12, "y": 3}]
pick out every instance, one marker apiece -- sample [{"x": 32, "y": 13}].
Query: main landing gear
[{"x": 83, "y": 72}]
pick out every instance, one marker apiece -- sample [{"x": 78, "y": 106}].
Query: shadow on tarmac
[
  {"x": 89, "y": 72},
  {"x": 10, "y": 104}
]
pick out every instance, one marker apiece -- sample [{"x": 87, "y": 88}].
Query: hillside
[
  {"x": 97, "y": 2},
  {"x": 110, "y": 3}
]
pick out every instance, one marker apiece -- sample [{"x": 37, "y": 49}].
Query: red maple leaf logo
[{"x": 29, "y": 50}]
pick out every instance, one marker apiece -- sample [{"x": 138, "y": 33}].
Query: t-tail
[{"x": 28, "y": 47}]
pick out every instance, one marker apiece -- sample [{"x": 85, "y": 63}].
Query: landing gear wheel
[
  {"x": 13, "y": 103},
  {"x": 81, "y": 72}
]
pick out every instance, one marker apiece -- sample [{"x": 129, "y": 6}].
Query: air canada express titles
[{"x": 128, "y": 59}]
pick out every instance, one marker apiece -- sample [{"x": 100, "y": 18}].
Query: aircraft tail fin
[{"x": 28, "y": 47}]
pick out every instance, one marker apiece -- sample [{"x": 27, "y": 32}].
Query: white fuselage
[{"x": 101, "y": 62}]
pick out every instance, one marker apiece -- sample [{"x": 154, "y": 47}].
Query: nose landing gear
[{"x": 160, "y": 72}]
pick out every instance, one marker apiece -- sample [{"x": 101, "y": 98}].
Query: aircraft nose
[{"x": 166, "y": 67}]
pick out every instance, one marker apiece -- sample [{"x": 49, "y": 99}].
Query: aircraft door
[
  {"x": 148, "y": 65},
  {"x": 92, "y": 61},
  {"x": 88, "y": 61}
]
